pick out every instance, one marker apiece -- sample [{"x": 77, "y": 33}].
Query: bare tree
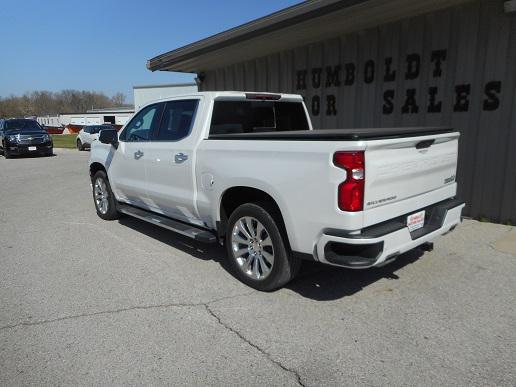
[
  {"x": 118, "y": 99},
  {"x": 41, "y": 103}
]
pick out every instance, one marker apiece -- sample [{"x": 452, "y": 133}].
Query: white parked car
[
  {"x": 246, "y": 170},
  {"x": 88, "y": 134}
]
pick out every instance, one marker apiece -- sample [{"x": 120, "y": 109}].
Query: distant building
[
  {"x": 145, "y": 94},
  {"x": 73, "y": 122}
]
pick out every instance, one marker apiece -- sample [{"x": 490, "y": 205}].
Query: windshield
[{"x": 22, "y": 125}]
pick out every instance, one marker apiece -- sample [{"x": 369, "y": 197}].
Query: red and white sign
[{"x": 416, "y": 221}]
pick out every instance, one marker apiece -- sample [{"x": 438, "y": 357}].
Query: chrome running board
[{"x": 185, "y": 229}]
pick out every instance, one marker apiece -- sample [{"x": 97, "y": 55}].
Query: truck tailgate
[{"x": 403, "y": 168}]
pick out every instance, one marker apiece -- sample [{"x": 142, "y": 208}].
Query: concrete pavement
[{"x": 84, "y": 301}]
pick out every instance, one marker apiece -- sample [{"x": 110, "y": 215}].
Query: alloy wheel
[
  {"x": 252, "y": 248},
  {"x": 101, "y": 196}
]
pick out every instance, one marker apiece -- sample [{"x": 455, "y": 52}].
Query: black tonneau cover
[{"x": 336, "y": 134}]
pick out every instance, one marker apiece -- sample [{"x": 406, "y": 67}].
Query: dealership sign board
[{"x": 349, "y": 74}]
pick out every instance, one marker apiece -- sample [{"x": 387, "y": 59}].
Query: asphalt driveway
[{"x": 89, "y": 302}]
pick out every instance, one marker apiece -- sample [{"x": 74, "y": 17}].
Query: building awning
[{"x": 308, "y": 22}]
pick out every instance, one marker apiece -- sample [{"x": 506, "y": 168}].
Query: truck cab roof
[{"x": 238, "y": 95}]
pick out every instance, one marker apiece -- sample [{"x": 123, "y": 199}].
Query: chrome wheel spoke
[
  {"x": 240, "y": 252},
  {"x": 256, "y": 273},
  {"x": 250, "y": 228},
  {"x": 247, "y": 264},
  {"x": 268, "y": 257},
  {"x": 252, "y": 248},
  {"x": 259, "y": 230},
  {"x": 263, "y": 266},
  {"x": 241, "y": 227},
  {"x": 238, "y": 239},
  {"x": 267, "y": 242}
]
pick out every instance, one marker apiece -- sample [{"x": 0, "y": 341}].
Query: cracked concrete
[
  {"x": 206, "y": 306},
  {"x": 267, "y": 355},
  {"x": 119, "y": 310},
  {"x": 88, "y": 302}
]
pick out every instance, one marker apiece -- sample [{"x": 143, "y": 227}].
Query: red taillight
[{"x": 351, "y": 192}]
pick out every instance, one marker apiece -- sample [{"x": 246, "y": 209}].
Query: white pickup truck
[{"x": 246, "y": 170}]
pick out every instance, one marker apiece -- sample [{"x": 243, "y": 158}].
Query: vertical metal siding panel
[
  {"x": 273, "y": 69},
  {"x": 315, "y": 53},
  {"x": 331, "y": 59},
  {"x": 347, "y": 101},
  {"x": 400, "y": 89},
  {"x": 388, "y": 48},
  {"x": 239, "y": 77},
  {"x": 262, "y": 73},
  {"x": 376, "y": 114},
  {"x": 493, "y": 122},
  {"x": 437, "y": 36},
  {"x": 250, "y": 77},
  {"x": 412, "y": 42},
  {"x": 286, "y": 72},
  {"x": 508, "y": 207},
  {"x": 301, "y": 63},
  {"x": 209, "y": 81},
  {"x": 424, "y": 76},
  {"x": 399, "y": 84},
  {"x": 466, "y": 70},
  {"x": 451, "y": 67},
  {"x": 474, "y": 163},
  {"x": 368, "y": 49},
  {"x": 469, "y": 135},
  {"x": 220, "y": 79},
  {"x": 229, "y": 77}
]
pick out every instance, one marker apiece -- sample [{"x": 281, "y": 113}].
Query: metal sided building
[{"x": 386, "y": 63}]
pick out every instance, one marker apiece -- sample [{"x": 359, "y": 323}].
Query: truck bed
[{"x": 336, "y": 134}]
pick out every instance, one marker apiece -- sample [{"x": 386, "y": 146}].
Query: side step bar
[{"x": 188, "y": 230}]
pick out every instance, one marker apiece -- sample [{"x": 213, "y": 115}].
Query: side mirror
[{"x": 109, "y": 136}]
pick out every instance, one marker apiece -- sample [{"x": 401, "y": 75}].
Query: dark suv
[{"x": 24, "y": 136}]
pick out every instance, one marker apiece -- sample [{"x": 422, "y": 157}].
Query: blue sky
[{"x": 104, "y": 45}]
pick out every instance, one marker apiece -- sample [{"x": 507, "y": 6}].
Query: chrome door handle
[
  {"x": 138, "y": 154},
  {"x": 180, "y": 158}
]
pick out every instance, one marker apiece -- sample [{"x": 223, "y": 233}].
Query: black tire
[
  {"x": 284, "y": 268},
  {"x": 7, "y": 154},
  {"x": 80, "y": 147},
  {"x": 110, "y": 212}
]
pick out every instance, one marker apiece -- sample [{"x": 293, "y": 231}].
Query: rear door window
[
  {"x": 177, "y": 120},
  {"x": 257, "y": 116}
]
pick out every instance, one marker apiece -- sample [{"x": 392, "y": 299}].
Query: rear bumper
[{"x": 382, "y": 243}]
